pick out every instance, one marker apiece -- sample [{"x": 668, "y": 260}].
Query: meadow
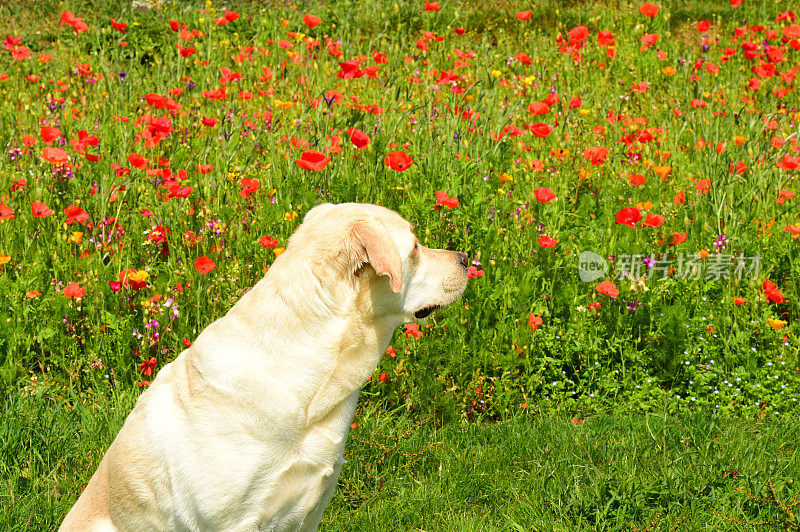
[{"x": 621, "y": 174}]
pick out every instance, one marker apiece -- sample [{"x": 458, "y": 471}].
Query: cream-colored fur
[{"x": 245, "y": 430}]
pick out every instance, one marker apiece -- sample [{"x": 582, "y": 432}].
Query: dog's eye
[{"x": 416, "y": 246}]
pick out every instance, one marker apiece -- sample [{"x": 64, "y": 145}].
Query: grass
[
  {"x": 540, "y": 472},
  {"x": 652, "y": 472}
]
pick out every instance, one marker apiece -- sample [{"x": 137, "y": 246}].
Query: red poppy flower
[
  {"x": 703, "y": 26},
  {"x": 312, "y": 21},
  {"x": 653, "y": 220},
  {"x": 544, "y": 195},
  {"x": 679, "y": 198},
  {"x": 412, "y": 329},
  {"x": 268, "y": 242},
  {"x": 75, "y": 214},
  {"x": 534, "y": 321},
  {"x": 398, "y": 160},
  {"x": 605, "y": 38},
  {"x": 608, "y": 288},
  {"x": 523, "y": 15},
  {"x": 649, "y": 10},
  {"x": 49, "y": 134},
  {"x": 155, "y": 100},
  {"x": 74, "y": 291},
  {"x": 359, "y": 139},
  {"x": 295, "y": 142},
  {"x": 547, "y": 242},
  {"x": 83, "y": 141},
  {"x": 738, "y": 300},
  {"x": 431, "y": 6},
  {"x": 20, "y": 53},
  {"x": 54, "y": 155},
  {"x": 119, "y": 26},
  {"x": 540, "y": 130},
  {"x": 176, "y": 191},
  {"x": 648, "y": 40},
  {"x": 138, "y": 160},
  {"x": 187, "y": 51},
  {"x": 474, "y": 272},
  {"x": 636, "y": 180},
  {"x": 677, "y": 238},
  {"x": 159, "y": 234},
  {"x": 6, "y": 212},
  {"x": 147, "y": 366},
  {"x": 204, "y": 264},
  {"x": 764, "y": 70},
  {"x": 313, "y": 160},
  {"x": 248, "y": 186},
  {"x": 156, "y": 130},
  {"x": 595, "y": 155},
  {"x": 793, "y": 230},
  {"x": 442, "y": 199},
  {"x": 737, "y": 168},
  {"x": 40, "y": 209},
  {"x": 629, "y": 216},
  {"x": 229, "y": 16},
  {"x": 538, "y": 108},
  {"x": 512, "y": 131},
  {"x": 578, "y": 34},
  {"x": 772, "y": 292},
  {"x": 78, "y": 25},
  {"x": 11, "y": 42},
  {"x": 350, "y": 70},
  {"x": 789, "y": 163},
  {"x": 336, "y": 144}
]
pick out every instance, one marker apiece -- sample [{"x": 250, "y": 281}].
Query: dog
[{"x": 246, "y": 429}]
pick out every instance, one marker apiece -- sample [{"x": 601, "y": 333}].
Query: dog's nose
[{"x": 463, "y": 259}]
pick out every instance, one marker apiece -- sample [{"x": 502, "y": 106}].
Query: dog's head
[{"x": 374, "y": 250}]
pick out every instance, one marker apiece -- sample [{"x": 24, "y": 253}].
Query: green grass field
[
  {"x": 622, "y": 175},
  {"x": 653, "y": 472}
]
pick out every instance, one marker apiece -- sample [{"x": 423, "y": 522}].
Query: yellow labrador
[{"x": 246, "y": 429}]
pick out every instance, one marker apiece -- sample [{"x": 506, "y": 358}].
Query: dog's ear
[{"x": 370, "y": 245}]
